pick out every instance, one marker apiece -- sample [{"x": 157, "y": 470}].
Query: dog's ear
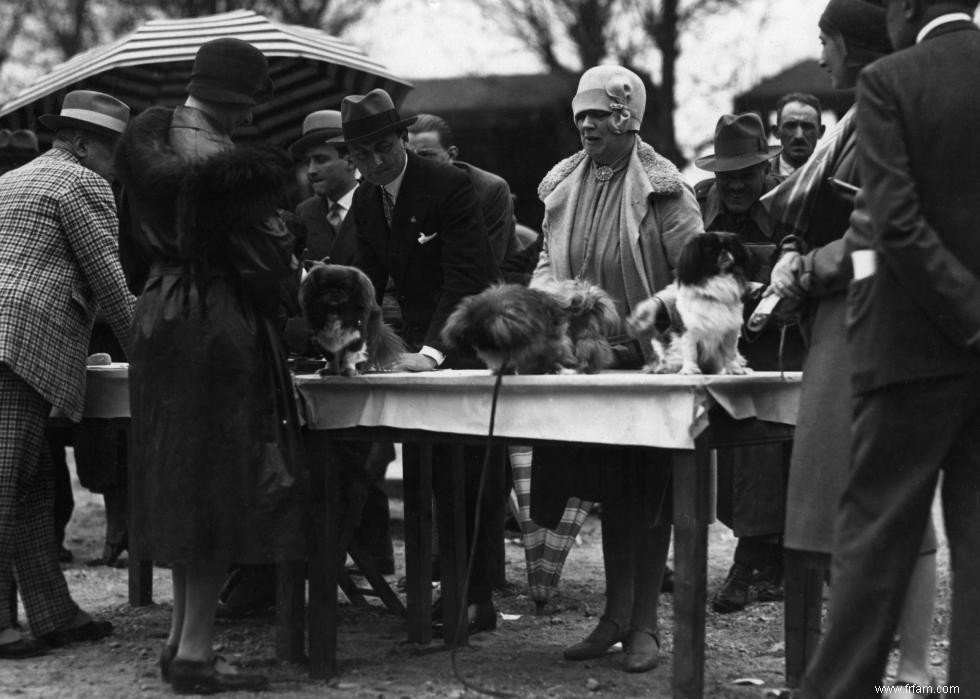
[
  {"x": 455, "y": 331},
  {"x": 690, "y": 263}
]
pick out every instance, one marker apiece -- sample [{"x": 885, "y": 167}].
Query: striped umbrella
[{"x": 311, "y": 70}]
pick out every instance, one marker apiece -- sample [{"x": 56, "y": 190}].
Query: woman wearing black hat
[
  {"x": 214, "y": 424},
  {"x": 814, "y": 206}
]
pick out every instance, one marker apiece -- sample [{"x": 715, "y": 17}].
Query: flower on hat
[{"x": 620, "y": 94}]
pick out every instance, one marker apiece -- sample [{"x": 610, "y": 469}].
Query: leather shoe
[
  {"x": 167, "y": 655},
  {"x": 603, "y": 637},
  {"x": 734, "y": 594},
  {"x": 23, "y": 648},
  {"x": 482, "y": 617},
  {"x": 642, "y": 651},
  {"x": 91, "y": 630},
  {"x": 196, "y": 677}
]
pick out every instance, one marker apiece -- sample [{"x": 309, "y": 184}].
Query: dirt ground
[{"x": 522, "y": 658}]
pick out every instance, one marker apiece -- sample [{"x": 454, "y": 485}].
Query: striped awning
[{"x": 310, "y": 69}]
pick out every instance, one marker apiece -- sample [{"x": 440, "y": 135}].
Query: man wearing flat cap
[
  {"x": 751, "y": 480},
  {"x": 419, "y": 223},
  {"x": 59, "y": 264}
]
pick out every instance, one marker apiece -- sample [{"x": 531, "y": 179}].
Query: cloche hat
[
  {"x": 230, "y": 70},
  {"x": 740, "y": 142},
  {"x": 610, "y": 88}
]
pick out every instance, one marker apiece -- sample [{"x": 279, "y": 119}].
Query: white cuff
[{"x": 434, "y": 354}]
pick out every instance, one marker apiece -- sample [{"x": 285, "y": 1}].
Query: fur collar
[{"x": 664, "y": 176}]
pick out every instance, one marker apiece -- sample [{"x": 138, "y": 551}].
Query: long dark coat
[{"x": 214, "y": 425}]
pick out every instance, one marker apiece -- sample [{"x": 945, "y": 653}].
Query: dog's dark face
[
  {"x": 337, "y": 301},
  {"x": 710, "y": 254}
]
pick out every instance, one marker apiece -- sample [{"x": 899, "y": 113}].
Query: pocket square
[{"x": 423, "y": 238}]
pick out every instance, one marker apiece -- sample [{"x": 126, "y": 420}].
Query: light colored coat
[
  {"x": 659, "y": 214},
  {"x": 59, "y": 264}
]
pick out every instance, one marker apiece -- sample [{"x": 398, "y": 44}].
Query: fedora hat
[
  {"x": 230, "y": 70},
  {"x": 373, "y": 114},
  {"x": 18, "y": 143},
  {"x": 93, "y": 111},
  {"x": 740, "y": 142},
  {"x": 323, "y": 126}
]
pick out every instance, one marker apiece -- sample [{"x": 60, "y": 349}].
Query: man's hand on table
[{"x": 415, "y": 361}]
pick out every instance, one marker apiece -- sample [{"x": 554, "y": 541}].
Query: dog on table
[
  {"x": 341, "y": 308},
  {"x": 517, "y": 330},
  {"x": 694, "y": 324}
]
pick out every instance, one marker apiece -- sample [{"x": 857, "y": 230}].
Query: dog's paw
[
  {"x": 689, "y": 369},
  {"x": 736, "y": 369}
]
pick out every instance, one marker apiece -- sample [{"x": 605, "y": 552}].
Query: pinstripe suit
[{"x": 59, "y": 261}]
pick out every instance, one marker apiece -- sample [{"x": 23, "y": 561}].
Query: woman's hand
[{"x": 787, "y": 278}]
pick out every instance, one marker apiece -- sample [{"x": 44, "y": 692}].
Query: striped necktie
[
  {"x": 333, "y": 216},
  {"x": 388, "y": 203}
]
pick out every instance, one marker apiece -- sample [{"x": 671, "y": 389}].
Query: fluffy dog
[
  {"x": 340, "y": 306},
  {"x": 694, "y": 325},
  {"x": 518, "y": 330}
]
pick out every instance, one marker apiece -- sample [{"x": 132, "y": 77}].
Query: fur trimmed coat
[
  {"x": 215, "y": 432},
  {"x": 660, "y": 214}
]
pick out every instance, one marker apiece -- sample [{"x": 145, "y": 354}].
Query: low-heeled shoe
[
  {"x": 23, "y": 648},
  {"x": 642, "y": 651},
  {"x": 603, "y": 637},
  {"x": 484, "y": 618},
  {"x": 89, "y": 631},
  {"x": 202, "y": 677},
  {"x": 167, "y": 655}
]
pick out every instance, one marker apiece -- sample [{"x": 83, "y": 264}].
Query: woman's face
[
  {"x": 600, "y": 142},
  {"x": 833, "y": 57}
]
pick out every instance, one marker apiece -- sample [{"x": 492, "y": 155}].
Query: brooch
[{"x": 603, "y": 173}]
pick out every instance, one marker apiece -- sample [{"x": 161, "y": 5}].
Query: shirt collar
[
  {"x": 939, "y": 21},
  {"x": 395, "y": 185},
  {"x": 345, "y": 201},
  {"x": 785, "y": 168}
]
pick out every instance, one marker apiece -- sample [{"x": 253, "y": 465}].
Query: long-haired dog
[
  {"x": 694, "y": 325},
  {"x": 345, "y": 321},
  {"x": 517, "y": 330}
]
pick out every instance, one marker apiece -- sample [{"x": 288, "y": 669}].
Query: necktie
[
  {"x": 388, "y": 203},
  {"x": 333, "y": 216}
]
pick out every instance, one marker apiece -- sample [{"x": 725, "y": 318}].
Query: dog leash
[{"x": 463, "y": 618}]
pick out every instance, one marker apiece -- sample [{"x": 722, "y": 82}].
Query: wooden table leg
[
  {"x": 322, "y": 609},
  {"x": 802, "y": 608},
  {"x": 290, "y": 611},
  {"x": 691, "y": 474},
  {"x": 417, "y": 486},
  {"x": 448, "y": 479}
]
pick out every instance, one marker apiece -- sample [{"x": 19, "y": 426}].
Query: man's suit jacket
[
  {"x": 918, "y": 316},
  {"x": 436, "y": 252},
  {"x": 59, "y": 263},
  {"x": 321, "y": 238},
  {"x": 497, "y": 208}
]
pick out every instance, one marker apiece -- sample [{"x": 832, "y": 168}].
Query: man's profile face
[
  {"x": 381, "y": 159},
  {"x": 98, "y": 156},
  {"x": 740, "y": 189},
  {"x": 329, "y": 172},
  {"x": 426, "y": 144},
  {"x": 798, "y": 130}
]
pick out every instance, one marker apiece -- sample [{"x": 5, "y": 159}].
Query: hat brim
[
  {"x": 712, "y": 163},
  {"x": 318, "y": 137},
  {"x": 393, "y": 126},
  {"x": 56, "y": 122}
]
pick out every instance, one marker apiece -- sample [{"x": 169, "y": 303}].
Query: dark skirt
[
  {"x": 216, "y": 450},
  {"x": 615, "y": 476}
]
